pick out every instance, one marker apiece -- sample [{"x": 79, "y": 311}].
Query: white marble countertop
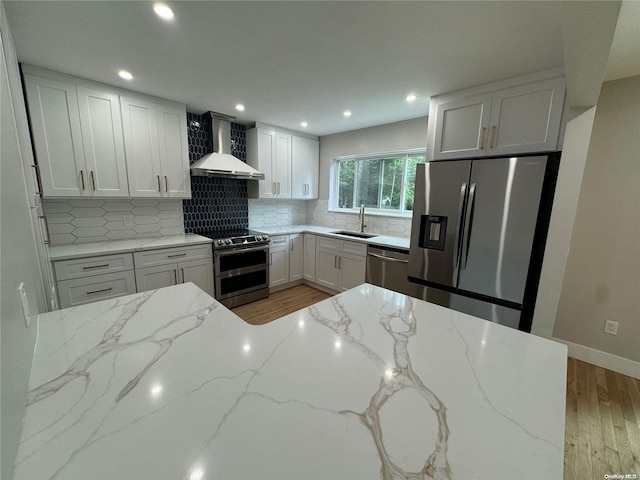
[
  {"x": 169, "y": 384},
  {"x": 79, "y": 250},
  {"x": 381, "y": 240}
]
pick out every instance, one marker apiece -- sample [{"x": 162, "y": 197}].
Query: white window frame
[{"x": 333, "y": 184}]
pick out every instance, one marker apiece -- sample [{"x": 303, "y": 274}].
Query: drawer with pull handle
[
  {"x": 100, "y": 287},
  {"x": 169, "y": 255},
  {"x": 89, "y": 266}
]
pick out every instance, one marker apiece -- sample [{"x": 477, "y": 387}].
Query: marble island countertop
[{"x": 169, "y": 384}]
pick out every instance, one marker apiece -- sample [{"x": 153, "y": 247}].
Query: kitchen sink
[{"x": 354, "y": 234}]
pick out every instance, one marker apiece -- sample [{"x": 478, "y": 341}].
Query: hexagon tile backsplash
[{"x": 82, "y": 220}]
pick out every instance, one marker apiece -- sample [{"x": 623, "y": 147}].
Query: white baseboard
[{"x": 602, "y": 359}]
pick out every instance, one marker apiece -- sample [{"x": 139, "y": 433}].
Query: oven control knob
[
  {"x": 220, "y": 242},
  {"x": 259, "y": 237},
  {"x": 265, "y": 237},
  {"x": 227, "y": 241}
]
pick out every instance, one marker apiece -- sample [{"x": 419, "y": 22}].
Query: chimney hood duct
[{"x": 221, "y": 163}]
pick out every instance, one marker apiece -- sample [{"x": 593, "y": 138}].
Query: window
[{"x": 382, "y": 183}]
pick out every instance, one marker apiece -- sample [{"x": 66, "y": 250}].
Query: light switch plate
[
  {"x": 25, "y": 304},
  {"x": 611, "y": 327}
]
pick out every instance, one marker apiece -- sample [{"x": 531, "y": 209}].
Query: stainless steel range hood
[{"x": 222, "y": 163}]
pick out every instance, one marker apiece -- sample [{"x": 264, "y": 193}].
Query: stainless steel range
[{"x": 241, "y": 266}]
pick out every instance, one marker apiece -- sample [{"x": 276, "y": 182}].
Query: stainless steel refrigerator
[{"x": 478, "y": 233}]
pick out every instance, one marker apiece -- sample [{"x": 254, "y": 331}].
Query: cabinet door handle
[
  {"x": 175, "y": 276},
  {"x": 96, "y": 266},
  {"x": 93, "y": 180},
  {"x": 82, "y": 179},
  {"x": 46, "y": 229},
  {"x": 292, "y": 246},
  {"x": 278, "y": 188},
  {"x": 335, "y": 261},
  {"x": 270, "y": 258},
  {"x": 38, "y": 180},
  {"x": 493, "y": 136},
  {"x": 100, "y": 291},
  {"x": 166, "y": 184},
  {"x": 339, "y": 263},
  {"x": 177, "y": 255},
  {"x": 184, "y": 279},
  {"x": 159, "y": 187},
  {"x": 484, "y": 131}
]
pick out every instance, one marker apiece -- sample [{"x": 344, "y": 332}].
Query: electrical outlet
[
  {"x": 25, "y": 304},
  {"x": 611, "y": 327},
  {"x": 128, "y": 221}
]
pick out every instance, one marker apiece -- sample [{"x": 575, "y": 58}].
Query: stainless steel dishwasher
[{"x": 388, "y": 268}]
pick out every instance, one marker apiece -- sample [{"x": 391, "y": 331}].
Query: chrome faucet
[{"x": 361, "y": 216}]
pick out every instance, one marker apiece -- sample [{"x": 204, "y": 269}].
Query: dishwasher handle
[{"x": 389, "y": 259}]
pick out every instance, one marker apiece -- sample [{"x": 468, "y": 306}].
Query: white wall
[
  {"x": 384, "y": 138},
  {"x": 602, "y": 278},
  {"x": 18, "y": 261}
]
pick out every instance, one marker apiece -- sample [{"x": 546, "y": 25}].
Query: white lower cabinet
[
  {"x": 340, "y": 265},
  {"x": 170, "y": 266},
  {"x": 296, "y": 256},
  {"x": 309, "y": 267},
  {"x": 89, "y": 279},
  {"x": 96, "y": 287},
  {"x": 86, "y": 280},
  {"x": 199, "y": 272},
  {"x": 327, "y": 267},
  {"x": 279, "y": 260}
]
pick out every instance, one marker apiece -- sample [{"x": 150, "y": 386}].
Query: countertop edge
[
  {"x": 72, "y": 251},
  {"x": 378, "y": 240}
]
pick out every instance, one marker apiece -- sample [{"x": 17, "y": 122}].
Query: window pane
[
  {"x": 391, "y": 183},
  {"x": 368, "y": 187},
  {"x": 410, "y": 184},
  {"x": 346, "y": 183}
]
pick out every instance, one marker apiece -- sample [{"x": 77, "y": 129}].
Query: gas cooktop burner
[{"x": 236, "y": 238}]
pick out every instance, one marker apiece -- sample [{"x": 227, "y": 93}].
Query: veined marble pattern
[{"x": 367, "y": 384}]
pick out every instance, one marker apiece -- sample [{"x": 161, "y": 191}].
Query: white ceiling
[{"x": 294, "y": 61}]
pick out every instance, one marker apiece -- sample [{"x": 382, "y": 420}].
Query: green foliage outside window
[{"x": 383, "y": 183}]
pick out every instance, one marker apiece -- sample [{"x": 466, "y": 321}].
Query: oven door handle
[{"x": 236, "y": 251}]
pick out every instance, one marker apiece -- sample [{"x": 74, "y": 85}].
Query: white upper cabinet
[
  {"x": 462, "y": 127},
  {"x": 57, "y": 137},
  {"x": 139, "y": 122},
  {"x": 305, "y": 165},
  {"x": 103, "y": 145},
  {"x": 97, "y": 140},
  {"x": 174, "y": 151},
  {"x": 526, "y": 118},
  {"x": 520, "y": 119},
  {"x": 269, "y": 151},
  {"x": 155, "y": 139},
  {"x": 290, "y": 164},
  {"x": 282, "y": 165}
]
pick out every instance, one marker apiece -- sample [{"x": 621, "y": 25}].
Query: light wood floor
[
  {"x": 279, "y": 304},
  {"x": 602, "y": 433},
  {"x": 602, "y": 428}
]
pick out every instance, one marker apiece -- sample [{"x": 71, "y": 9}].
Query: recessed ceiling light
[
  {"x": 347, "y": 113},
  {"x": 304, "y": 124},
  {"x": 239, "y": 107},
  {"x": 163, "y": 11},
  {"x": 125, "y": 74},
  {"x": 410, "y": 98}
]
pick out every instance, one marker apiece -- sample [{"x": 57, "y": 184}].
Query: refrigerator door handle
[
  {"x": 467, "y": 226},
  {"x": 456, "y": 241}
]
